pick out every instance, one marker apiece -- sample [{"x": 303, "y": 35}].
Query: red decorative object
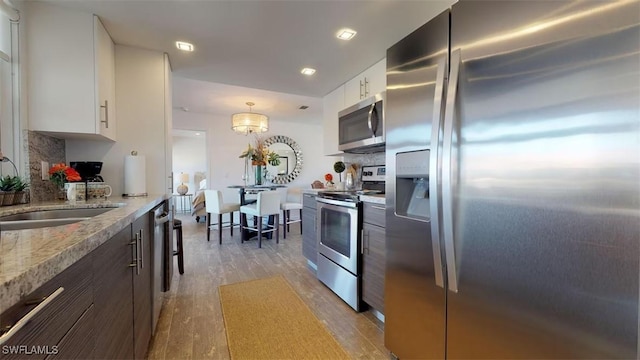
[{"x": 61, "y": 173}]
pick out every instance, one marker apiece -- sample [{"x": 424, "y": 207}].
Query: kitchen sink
[{"x": 47, "y": 218}]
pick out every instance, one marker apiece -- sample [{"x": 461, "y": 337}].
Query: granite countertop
[{"x": 30, "y": 258}]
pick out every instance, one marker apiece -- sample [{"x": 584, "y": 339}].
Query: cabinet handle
[
  {"x": 141, "y": 258},
  {"x": 366, "y": 88},
  {"x": 106, "y": 113},
  {"x": 134, "y": 244},
  {"x": 25, "y": 319},
  {"x": 361, "y": 92},
  {"x": 378, "y": 207}
]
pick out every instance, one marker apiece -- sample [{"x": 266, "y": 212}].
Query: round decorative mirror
[{"x": 290, "y": 157}]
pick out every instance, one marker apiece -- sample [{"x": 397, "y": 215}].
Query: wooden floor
[{"x": 191, "y": 324}]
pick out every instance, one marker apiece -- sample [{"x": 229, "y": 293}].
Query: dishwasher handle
[{"x": 162, "y": 218}]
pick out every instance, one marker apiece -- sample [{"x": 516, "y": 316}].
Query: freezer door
[
  {"x": 545, "y": 167},
  {"x": 414, "y": 293}
]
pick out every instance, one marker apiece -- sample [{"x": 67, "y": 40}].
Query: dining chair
[
  {"x": 267, "y": 204},
  {"x": 214, "y": 204},
  {"x": 291, "y": 199}
]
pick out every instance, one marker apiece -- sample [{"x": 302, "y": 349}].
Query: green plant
[
  {"x": 19, "y": 184},
  {"x": 274, "y": 159},
  {"x": 7, "y": 183},
  {"x": 339, "y": 167},
  {"x": 260, "y": 154}
]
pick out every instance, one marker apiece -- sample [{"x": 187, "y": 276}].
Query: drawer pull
[
  {"x": 378, "y": 207},
  {"x": 25, "y": 319}
]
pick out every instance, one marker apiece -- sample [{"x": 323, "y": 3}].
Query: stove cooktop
[{"x": 347, "y": 195}]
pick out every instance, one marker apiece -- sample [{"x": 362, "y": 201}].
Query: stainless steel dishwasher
[{"x": 161, "y": 266}]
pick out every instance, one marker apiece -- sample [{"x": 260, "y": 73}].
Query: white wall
[
  {"x": 225, "y": 146},
  {"x": 189, "y": 157}
]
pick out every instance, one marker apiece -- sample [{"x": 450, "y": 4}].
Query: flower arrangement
[
  {"x": 260, "y": 154},
  {"x": 61, "y": 173},
  {"x": 329, "y": 179}
]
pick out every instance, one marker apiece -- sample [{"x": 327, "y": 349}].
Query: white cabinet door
[
  {"x": 332, "y": 104},
  {"x": 368, "y": 83},
  {"x": 354, "y": 90},
  {"x": 105, "y": 81},
  {"x": 376, "y": 77},
  {"x": 63, "y": 66}
]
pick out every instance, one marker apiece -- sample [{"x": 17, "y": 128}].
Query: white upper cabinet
[
  {"x": 105, "y": 81},
  {"x": 332, "y": 104},
  {"x": 71, "y": 73},
  {"x": 368, "y": 83}
]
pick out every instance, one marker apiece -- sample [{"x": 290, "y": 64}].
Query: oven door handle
[{"x": 337, "y": 202}]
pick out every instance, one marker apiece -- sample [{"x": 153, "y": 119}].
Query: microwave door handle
[{"x": 373, "y": 125}]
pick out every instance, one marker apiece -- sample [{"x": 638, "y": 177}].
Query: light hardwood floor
[{"x": 191, "y": 324}]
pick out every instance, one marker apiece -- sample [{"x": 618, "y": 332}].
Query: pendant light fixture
[{"x": 249, "y": 122}]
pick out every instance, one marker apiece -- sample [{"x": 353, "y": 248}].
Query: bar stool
[
  {"x": 177, "y": 226},
  {"x": 291, "y": 200},
  {"x": 268, "y": 204},
  {"x": 214, "y": 205}
]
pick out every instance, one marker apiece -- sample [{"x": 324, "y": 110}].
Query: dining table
[{"x": 243, "y": 190}]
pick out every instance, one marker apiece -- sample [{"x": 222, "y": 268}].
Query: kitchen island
[{"x": 30, "y": 258}]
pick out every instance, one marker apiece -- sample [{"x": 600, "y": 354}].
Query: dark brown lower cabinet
[
  {"x": 374, "y": 255},
  {"x": 123, "y": 271},
  {"x": 142, "y": 295},
  {"x": 80, "y": 341},
  {"x": 309, "y": 236},
  {"x": 53, "y": 325},
  {"x": 113, "y": 301},
  {"x": 373, "y": 266},
  {"x": 103, "y": 312}
]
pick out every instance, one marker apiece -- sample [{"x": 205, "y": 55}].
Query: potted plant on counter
[
  {"x": 7, "y": 190},
  {"x": 19, "y": 186},
  {"x": 339, "y": 167}
]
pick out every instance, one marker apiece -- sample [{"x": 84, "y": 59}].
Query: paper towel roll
[{"x": 135, "y": 181}]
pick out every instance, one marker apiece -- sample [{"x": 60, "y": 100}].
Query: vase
[
  {"x": 258, "y": 171},
  {"x": 61, "y": 193}
]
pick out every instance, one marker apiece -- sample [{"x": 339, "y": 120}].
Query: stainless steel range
[{"x": 340, "y": 236}]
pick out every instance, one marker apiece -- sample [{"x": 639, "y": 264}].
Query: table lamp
[{"x": 182, "y": 188}]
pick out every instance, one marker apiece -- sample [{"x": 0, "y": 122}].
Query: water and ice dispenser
[{"x": 412, "y": 185}]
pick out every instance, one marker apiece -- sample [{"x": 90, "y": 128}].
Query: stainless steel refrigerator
[{"x": 513, "y": 182}]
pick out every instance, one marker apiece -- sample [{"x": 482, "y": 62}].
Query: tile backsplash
[
  {"x": 366, "y": 159},
  {"x": 40, "y": 147}
]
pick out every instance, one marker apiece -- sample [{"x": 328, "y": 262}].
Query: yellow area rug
[{"x": 266, "y": 319}]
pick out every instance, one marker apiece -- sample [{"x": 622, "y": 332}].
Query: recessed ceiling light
[
  {"x": 197, "y": 134},
  {"x": 184, "y": 46},
  {"x": 308, "y": 71},
  {"x": 346, "y": 34}
]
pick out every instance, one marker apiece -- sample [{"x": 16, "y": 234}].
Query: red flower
[{"x": 61, "y": 173}]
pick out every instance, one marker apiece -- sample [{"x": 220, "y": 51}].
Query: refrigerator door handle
[
  {"x": 447, "y": 196},
  {"x": 434, "y": 169}
]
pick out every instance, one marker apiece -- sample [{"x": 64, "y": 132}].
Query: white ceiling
[{"x": 260, "y": 45}]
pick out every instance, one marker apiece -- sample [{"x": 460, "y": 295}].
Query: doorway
[{"x": 189, "y": 167}]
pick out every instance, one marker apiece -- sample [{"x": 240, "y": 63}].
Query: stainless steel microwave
[{"x": 361, "y": 126}]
